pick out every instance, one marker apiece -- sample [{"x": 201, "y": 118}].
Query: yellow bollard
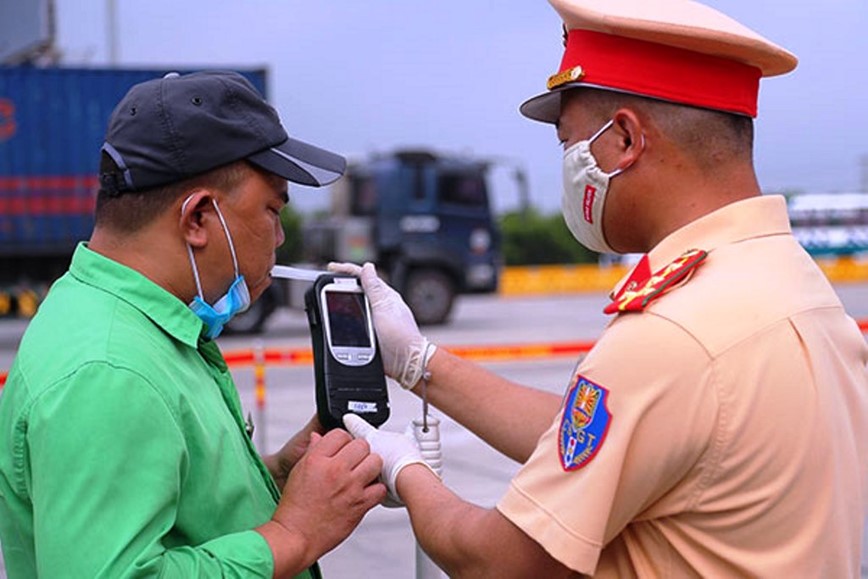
[
  {"x": 5, "y": 303},
  {"x": 28, "y": 301},
  {"x": 259, "y": 389}
]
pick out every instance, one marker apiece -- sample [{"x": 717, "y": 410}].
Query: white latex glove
[
  {"x": 404, "y": 349},
  {"x": 396, "y": 449}
]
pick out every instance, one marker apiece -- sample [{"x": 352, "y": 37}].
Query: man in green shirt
[{"x": 123, "y": 451}]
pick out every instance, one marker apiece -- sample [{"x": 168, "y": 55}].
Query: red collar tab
[
  {"x": 658, "y": 71},
  {"x": 639, "y": 276},
  {"x": 640, "y": 289}
]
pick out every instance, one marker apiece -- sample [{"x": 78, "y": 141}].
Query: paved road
[{"x": 383, "y": 544}]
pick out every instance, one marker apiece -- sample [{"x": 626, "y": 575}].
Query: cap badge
[
  {"x": 570, "y": 75},
  {"x": 638, "y": 293},
  {"x": 584, "y": 423}
]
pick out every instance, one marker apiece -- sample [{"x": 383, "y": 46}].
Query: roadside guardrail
[
  {"x": 480, "y": 353},
  {"x": 566, "y": 279}
]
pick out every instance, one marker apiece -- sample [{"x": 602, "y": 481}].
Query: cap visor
[
  {"x": 301, "y": 163},
  {"x": 545, "y": 107}
]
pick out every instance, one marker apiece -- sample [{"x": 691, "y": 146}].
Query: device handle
[
  {"x": 426, "y": 430},
  {"x": 429, "y": 442}
]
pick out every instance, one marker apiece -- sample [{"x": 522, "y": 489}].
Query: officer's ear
[
  {"x": 196, "y": 210},
  {"x": 631, "y": 136}
]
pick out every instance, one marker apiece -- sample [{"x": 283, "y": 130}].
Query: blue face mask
[{"x": 234, "y": 301}]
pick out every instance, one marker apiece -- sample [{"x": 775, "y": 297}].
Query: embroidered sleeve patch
[{"x": 584, "y": 424}]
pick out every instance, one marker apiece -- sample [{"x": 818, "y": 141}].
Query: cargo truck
[
  {"x": 52, "y": 124},
  {"x": 424, "y": 218}
]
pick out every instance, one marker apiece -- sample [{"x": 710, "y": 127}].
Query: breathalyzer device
[{"x": 347, "y": 364}]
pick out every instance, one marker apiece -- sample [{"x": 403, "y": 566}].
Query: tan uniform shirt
[{"x": 722, "y": 431}]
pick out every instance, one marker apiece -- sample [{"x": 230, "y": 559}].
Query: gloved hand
[
  {"x": 396, "y": 449},
  {"x": 404, "y": 349}
]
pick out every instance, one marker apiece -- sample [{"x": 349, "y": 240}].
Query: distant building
[{"x": 830, "y": 223}]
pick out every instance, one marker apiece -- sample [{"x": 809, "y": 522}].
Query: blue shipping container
[{"x": 52, "y": 125}]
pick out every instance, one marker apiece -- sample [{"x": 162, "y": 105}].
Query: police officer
[{"x": 719, "y": 427}]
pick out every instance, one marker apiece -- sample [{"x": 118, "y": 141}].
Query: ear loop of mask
[
  {"x": 596, "y": 136},
  {"x": 602, "y": 130},
  {"x": 228, "y": 238}
]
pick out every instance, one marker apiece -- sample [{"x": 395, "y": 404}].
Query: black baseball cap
[{"x": 172, "y": 128}]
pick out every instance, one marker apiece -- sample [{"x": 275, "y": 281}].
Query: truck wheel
[{"x": 430, "y": 293}]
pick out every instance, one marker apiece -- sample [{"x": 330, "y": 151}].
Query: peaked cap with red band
[{"x": 673, "y": 50}]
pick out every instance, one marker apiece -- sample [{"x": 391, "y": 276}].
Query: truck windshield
[{"x": 468, "y": 190}]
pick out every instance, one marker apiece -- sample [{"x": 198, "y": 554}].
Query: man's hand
[
  {"x": 326, "y": 495},
  {"x": 281, "y": 462},
  {"x": 397, "y": 451},
  {"x": 405, "y": 350}
]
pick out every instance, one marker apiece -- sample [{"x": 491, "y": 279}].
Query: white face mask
[{"x": 584, "y": 194}]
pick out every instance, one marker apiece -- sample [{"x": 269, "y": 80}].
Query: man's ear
[
  {"x": 196, "y": 208},
  {"x": 631, "y": 134}
]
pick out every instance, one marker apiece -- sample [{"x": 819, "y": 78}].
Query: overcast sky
[{"x": 361, "y": 76}]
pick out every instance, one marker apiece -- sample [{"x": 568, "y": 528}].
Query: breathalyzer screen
[{"x": 347, "y": 322}]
